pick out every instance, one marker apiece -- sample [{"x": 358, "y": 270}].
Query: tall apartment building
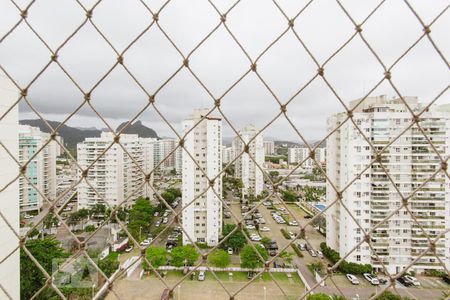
[
  {"x": 227, "y": 155},
  {"x": 246, "y": 168},
  {"x": 9, "y": 204},
  {"x": 269, "y": 147},
  {"x": 163, "y": 148},
  {"x": 299, "y": 154},
  {"x": 116, "y": 176},
  {"x": 410, "y": 161},
  {"x": 202, "y": 219},
  {"x": 179, "y": 160},
  {"x": 40, "y": 171}
]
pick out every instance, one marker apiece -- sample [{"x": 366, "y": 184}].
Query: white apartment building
[
  {"x": 115, "y": 176},
  {"x": 163, "y": 148},
  {"x": 246, "y": 168},
  {"x": 269, "y": 147},
  {"x": 202, "y": 219},
  {"x": 40, "y": 171},
  {"x": 299, "y": 154},
  {"x": 227, "y": 155},
  {"x": 410, "y": 161},
  {"x": 179, "y": 160},
  {"x": 9, "y": 204}
]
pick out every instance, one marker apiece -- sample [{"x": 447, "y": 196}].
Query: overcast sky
[{"x": 219, "y": 62}]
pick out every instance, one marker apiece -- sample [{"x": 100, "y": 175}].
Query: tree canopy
[
  {"x": 236, "y": 241},
  {"x": 250, "y": 259},
  {"x": 219, "y": 258},
  {"x": 184, "y": 255}
]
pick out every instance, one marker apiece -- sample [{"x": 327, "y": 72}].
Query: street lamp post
[{"x": 265, "y": 293}]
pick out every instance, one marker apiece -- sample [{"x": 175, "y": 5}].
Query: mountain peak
[{"x": 137, "y": 128}]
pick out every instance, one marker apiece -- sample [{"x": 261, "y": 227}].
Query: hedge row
[
  {"x": 345, "y": 267},
  {"x": 285, "y": 233},
  {"x": 296, "y": 250}
]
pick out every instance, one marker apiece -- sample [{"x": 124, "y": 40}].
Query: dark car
[
  {"x": 446, "y": 278},
  {"x": 405, "y": 281},
  {"x": 307, "y": 217},
  {"x": 272, "y": 252},
  {"x": 250, "y": 274}
]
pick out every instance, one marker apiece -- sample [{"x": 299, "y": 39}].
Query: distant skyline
[{"x": 219, "y": 62}]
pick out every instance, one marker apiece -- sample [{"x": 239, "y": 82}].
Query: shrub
[
  {"x": 285, "y": 234},
  {"x": 344, "y": 266},
  {"x": 297, "y": 251}
]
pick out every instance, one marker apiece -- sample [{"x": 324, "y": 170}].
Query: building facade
[
  {"x": 9, "y": 197},
  {"x": 269, "y": 148},
  {"x": 164, "y": 154},
  {"x": 246, "y": 164},
  {"x": 227, "y": 155},
  {"x": 202, "y": 217},
  {"x": 40, "y": 167},
  {"x": 301, "y": 154},
  {"x": 117, "y": 176},
  {"x": 410, "y": 161}
]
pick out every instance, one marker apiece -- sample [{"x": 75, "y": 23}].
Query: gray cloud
[{"x": 219, "y": 62}]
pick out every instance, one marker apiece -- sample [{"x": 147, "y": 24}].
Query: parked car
[
  {"x": 267, "y": 203},
  {"x": 250, "y": 274},
  {"x": 413, "y": 280},
  {"x": 201, "y": 276},
  {"x": 319, "y": 254},
  {"x": 292, "y": 235},
  {"x": 302, "y": 246},
  {"x": 273, "y": 245},
  {"x": 262, "y": 221},
  {"x": 352, "y": 278},
  {"x": 156, "y": 214},
  {"x": 230, "y": 250},
  {"x": 250, "y": 226},
  {"x": 255, "y": 237},
  {"x": 405, "y": 281},
  {"x": 312, "y": 252},
  {"x": 273, "y": 252},
  {"x": 165, "y": 220},
  {"x": 129, "y": 249},
  {"x": 166, "y": 213},
  {"x": 293, "y": 223},
  {"x": 372, "y": 279},
  {"x": 264, "y": 229},
  {"x": 158, "y": 223},
  {"x": 145, "y": 242},
  {"x": 307, "y": 217},
  {"x": 227, "y": 215},
  {"x": 446, "y": 279}
]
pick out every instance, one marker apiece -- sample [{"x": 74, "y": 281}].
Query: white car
[
  {"x": 413, "y": 280},
  {"x": 165, "y": 214},
  {"x": 230, "y": 250},
  {"x": 156, "y": 214},
  {"x": 165, "y": 220},
  {"x": 201, "y": 276},
  {"x": 372, "y": 279},
  {"x": 158, "y": 223},
  {"x": 129, "y": 249},
  {"x": 145, "y": 242},
  {"x": 292, "y": 235},
  {"x": 266, "y": 203},
  {"x": 262, "y": 221},
  {"x": 352, "y": 278},
  {"x": 250, "y": 226},
  {"x": 255, "y": 238},
  {"x": 264, "y": 229},
  {"x": 293, "y": 223}
]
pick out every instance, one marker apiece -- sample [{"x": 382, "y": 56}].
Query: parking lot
[
  {"x": 152, "y": 288},
  {"x": 430, "y": 288}
]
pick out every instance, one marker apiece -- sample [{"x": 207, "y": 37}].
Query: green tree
[
  {"x": 219, "y": 258},
  {"x": 89, "y": 228},
  {"x": 289, "y": 196},
  {"x": 287, "y": 257},
  {"x": 184, "y": 256},
  {"x": 319, "y": 296},
  {"x": 50, "y": 221},
  {"x": 387, "y": 295},
  {"x": 109, "y": 265},
  {"x": 250, "y": 259},
  {"x": 45, "y": 251},
  {"x": 236, "y": 240},
  {"x": 157, "y": 256},
  {"x": 266, "y": 242}
]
